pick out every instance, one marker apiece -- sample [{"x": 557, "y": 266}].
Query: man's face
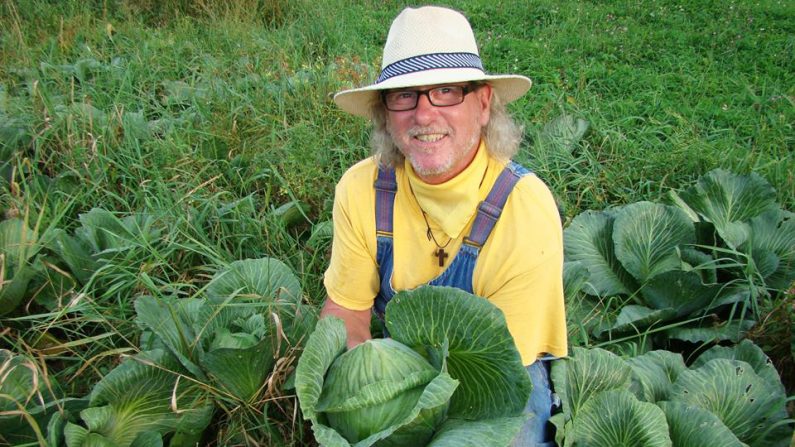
[{"x": 440, "y": 142}]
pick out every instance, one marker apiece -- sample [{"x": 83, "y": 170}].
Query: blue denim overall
[{"x": 459, "y": 274}]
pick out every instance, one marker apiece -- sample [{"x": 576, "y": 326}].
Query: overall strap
[
  {"x": 385, "y": 190},
  {"x": 489, "y": 210}
]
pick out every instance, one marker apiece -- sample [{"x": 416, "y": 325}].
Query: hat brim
[{"x": 358, "y": 101}]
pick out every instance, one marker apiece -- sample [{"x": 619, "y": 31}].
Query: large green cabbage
[
  {"x": 392, "y": 378},
  {"x": 450, "y": 376}
]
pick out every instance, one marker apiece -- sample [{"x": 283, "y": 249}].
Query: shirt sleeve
[{"x": 351, "y": 279}]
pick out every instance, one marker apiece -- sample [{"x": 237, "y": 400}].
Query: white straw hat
[{"x": 427, "y": 46}]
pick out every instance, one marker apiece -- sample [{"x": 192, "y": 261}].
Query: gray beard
[{"x": 446, "y": 166}]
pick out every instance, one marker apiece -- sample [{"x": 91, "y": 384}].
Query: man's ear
[{"x": 485, "y": 94}]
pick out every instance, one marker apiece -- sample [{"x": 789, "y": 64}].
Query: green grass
[
  {"x": 209, "y": 116},
  {"x": 670, "y": 91}
]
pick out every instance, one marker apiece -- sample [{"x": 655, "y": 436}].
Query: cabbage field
[{"x": 167, "y": 171}]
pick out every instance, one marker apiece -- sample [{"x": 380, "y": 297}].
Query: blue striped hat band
[{"x": 425, "y": 62}]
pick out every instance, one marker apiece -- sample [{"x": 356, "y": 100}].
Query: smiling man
[{"x": 440, "y": 202}]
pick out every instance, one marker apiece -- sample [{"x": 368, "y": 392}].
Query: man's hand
[{"x": 357, "y": 322}]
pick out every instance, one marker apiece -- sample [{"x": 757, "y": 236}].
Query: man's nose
[{"x": 425, "y": 111}]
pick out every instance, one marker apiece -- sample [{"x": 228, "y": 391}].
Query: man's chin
[{"x": 429, "y": 170}]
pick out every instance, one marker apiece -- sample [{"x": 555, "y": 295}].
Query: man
[{"x": 440, "y": 202}]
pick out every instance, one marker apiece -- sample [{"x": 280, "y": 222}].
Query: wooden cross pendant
[{"x": 440, "y": 253}]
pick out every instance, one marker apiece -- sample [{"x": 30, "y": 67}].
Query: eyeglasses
[{"x": 444, "y": 96}]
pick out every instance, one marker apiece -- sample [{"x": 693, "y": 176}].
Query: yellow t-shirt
[{"x": 519, "y": 269}]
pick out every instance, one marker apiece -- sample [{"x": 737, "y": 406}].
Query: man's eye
[{"x": 444, "y": 90}]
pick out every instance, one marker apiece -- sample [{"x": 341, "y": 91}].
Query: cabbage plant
[
  {"x": 232, "y": 347},
  {"x": 449, "y": 376},
  {"x": 730, "y": 396},
  {"x": 724, "y": 242},
  {"x": 93, "y": 252},
  {"x": 145, "y": 397}
]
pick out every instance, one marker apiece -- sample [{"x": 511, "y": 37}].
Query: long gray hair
[{"x": 502, "y": 134}]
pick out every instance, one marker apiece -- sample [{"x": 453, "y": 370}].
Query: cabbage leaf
[
  {"x": 589, "y": 238},
  {"x": 17, "y": 247},
  {"x": 654, "y": 372},
  {"x": 730, "y": 389},
  {"x": 692, "y": 426},
  {"x": 494, "y": 383},
  {"x": 772, "y": 246},
  {"x": 646, "y": 236},
  {"x": 616, "y": 418},
  {"x": 719, "y": 401},
  {"x": 729, "y": 201}
]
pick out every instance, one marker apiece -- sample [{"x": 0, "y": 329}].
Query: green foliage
[
  {"x": 100, "y": 245},
  {"x": 378, "y": 384},
  {"x": 440, "y": 321},
  {"x": 737, "y": 394},
  {"x": 617, "y": 418},
  {"x": 694, "y": 426}
]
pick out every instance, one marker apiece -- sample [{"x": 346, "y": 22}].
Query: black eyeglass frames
[{"x": 442, "y": 96}]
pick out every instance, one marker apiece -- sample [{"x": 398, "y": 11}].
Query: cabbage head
[
  {"x": 449, "y": 376},
  {"x": 394, "y": 376}
]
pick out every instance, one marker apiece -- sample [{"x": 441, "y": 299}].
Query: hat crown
[{"x": 428, "y": 30}]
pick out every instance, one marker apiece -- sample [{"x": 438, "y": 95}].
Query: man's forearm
[{"x": 357, "y": 322}]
